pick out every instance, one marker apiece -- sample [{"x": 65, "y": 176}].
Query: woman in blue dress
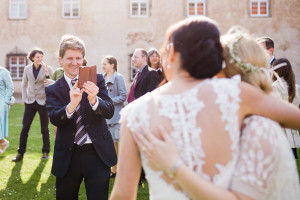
[{"x": 6, "y": 91}]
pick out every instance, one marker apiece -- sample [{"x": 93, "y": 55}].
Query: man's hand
[
  {"x": 75, "y": 96},
  {"x": 92, "y": 90},
  {"x": 45, "y": 67},
  {"x": 48, "y": 82}
]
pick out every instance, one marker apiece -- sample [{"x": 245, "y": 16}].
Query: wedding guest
[
  {"x": 154, "y": 62},
  {"x": 146, "y": 79},
  {"x": 268, "y": 44},
  {"x": 83, "y": 149},
  {"x": 200, "y": 113},
  {"x": 58, "y": 73},
  {"x": 6, "y": 91},
  {"x": 117, "y": 92},
  {"x": 154, "y": 59},
  {"x": 285, "y": 89},
  {"x": 33, "y": 94}
]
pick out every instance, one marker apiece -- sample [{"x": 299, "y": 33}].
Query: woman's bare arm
[
  {"x": 254, "y": 101},
  {"x": 129, "y": 167}
]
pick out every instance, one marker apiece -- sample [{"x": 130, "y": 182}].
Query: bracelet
[
  {"x": 47, "y": 76},
  {"x": 172, "y": 172}
]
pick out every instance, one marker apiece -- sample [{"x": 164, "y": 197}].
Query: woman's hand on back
[{"x": 159, "y": 150}]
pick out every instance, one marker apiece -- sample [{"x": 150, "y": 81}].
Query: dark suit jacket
[
  {"x": 146, "y": 82},
  {"x": 94, "y": 122}
]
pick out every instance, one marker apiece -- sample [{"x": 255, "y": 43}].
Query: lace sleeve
[{"x": 258, "y": 157}]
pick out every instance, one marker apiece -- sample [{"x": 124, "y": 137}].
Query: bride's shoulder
[{"x": 138, "y": 109}]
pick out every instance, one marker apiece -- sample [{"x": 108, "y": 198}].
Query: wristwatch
[
  {"x": 47, "y": 76},
  {"x": 172, "y": 172}
]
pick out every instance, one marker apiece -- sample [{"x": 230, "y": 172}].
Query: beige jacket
[{"x": 34, "y": 89}]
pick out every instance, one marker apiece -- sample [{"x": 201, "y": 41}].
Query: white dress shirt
[{"x": 69, "y": 115}]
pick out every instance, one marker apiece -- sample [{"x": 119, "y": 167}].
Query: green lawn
[{"x": 31, "y": 178}]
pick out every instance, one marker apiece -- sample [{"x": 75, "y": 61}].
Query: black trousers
[
  {"x": 29, "y": 113},
  {"x": 85, "y": 165}
]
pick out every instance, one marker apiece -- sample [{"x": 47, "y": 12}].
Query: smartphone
[{"x": 87, "y": 73}]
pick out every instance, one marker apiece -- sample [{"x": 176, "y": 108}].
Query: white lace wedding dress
[{"x": 204, "y": 123}]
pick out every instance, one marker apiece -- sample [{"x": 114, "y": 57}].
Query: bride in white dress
[{"x": 203, "y": 115}]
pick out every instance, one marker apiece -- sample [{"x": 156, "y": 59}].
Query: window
[
  {"x": 139, "y": 8},
  {"x": 259, "y": 8},
  {"x": 71, "y": 8},
  {"x": 133, "y": 70},
  {"x": 196, "y": 7},
  {"x": 17, "y": 9},
  {"x": 16, "y": 65}
]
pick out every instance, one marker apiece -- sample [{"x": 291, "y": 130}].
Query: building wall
[
  {"x": 282, "y": 25},
  {"x": 107, "y": 28}
]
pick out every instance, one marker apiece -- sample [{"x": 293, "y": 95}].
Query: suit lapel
[
  {"x": 142, "y": 74},
  {"x": 30, "y": 72},
  {"x": 65, "y": 89}
]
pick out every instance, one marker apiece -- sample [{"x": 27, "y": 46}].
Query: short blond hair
[
  {"x": 250, "y": 52},
  {"x": 71, "y": 42}
]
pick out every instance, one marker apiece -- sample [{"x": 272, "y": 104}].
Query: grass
[{"x": 31, "y": 178}]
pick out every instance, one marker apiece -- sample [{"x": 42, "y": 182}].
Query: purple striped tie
[{"x": 81, "y": 136}]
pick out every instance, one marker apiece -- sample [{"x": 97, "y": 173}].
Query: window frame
[
  {"x": 132, "y": 69},
  {"x": 71, "y": 3},
  {"x": 195, "y": 2},
  {"x": 18, "y": 66},
  {"x": 139, "y": 2},
  {"x": 18, "y": 4},
  {"x": 259, "y": 8}
]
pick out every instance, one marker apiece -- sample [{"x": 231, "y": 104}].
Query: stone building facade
[{"x": 117, "y": 27}]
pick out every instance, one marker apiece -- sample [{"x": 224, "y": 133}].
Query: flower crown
[
  {"x": 235, "y": 59},
  {"x": 248, "y": 67}
]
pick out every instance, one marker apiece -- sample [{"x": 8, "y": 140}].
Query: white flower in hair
[{"x": 235, "y": 59}]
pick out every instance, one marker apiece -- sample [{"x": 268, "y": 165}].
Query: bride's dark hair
[{"x": 198, "y": 42}]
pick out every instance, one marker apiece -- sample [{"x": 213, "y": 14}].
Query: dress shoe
[
  {"x": 4, "y": 146},
  {"x": 18, "y": 158},
  {"x": 45, "y": 156}
]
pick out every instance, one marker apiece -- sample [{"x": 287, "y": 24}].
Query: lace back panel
[{"x": 202, "y": 121}]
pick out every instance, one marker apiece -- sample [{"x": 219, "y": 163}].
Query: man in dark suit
[
  {"x": 83, "y": 147},
  {"x": 146, "y": 79},
  {"x": 268, "y": 44}
]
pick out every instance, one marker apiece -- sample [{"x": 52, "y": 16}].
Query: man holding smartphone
[{"x": 83, "y": 148}]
